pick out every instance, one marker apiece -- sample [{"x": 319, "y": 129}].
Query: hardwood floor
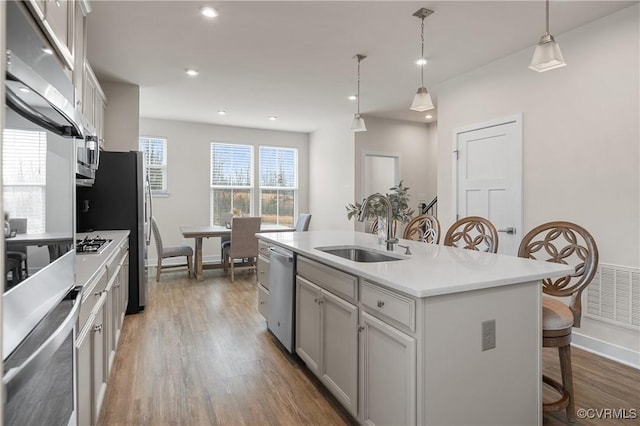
[{"x": 200, "y": 354}]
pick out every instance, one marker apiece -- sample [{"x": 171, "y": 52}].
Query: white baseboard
[{"x": 607, "y": 350}]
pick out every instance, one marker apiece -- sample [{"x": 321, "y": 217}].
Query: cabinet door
[
  {"x": 339, "y": 345},
  {"x": 59, "y": 16},
  {"x": 85, "y": 374},
  {"x": 99, "y": 383},
  {"x": 263, "y": 271},
  {"x": 387, "y": 374},
  {"x": 124, "y": 288},
  {"x": 88, "y": 94},
  {"x": 308, "y": 323},
  {"x": 79, "y": 54}
]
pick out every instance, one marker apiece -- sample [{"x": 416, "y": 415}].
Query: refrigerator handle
[{"x": 150, "y": 208}]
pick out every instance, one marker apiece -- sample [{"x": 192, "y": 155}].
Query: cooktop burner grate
[{"x": 91, "y": 245}]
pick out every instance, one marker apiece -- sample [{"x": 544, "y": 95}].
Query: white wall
[
  {"x": 121, "y": 118},
  {"x": 188, "y": 171},
  {"x": 331, "y": 176},
  {"x": 418, "y": 159},
  {"x": 581, "y": 138}
]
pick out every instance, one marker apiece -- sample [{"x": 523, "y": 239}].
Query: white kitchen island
[{"x": 401, "y": 342}]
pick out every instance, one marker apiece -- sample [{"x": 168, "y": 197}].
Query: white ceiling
[{"x": 294, "y": 59}]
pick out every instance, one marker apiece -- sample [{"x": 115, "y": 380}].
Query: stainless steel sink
[{"x": 358, "y": 254}]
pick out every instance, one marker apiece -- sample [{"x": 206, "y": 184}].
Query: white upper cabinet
[{"x": 57, "y": 18}]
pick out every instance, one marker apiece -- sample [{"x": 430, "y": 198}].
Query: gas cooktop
[{"x": 91, "y": 245}]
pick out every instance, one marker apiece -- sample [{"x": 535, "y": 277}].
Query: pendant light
[
  {"x": 358, "y": 122},
  {"x": 422, "y": 101},
  {"x": 547, "y": 55}
]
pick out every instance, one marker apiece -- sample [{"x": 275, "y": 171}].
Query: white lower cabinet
[
  {"x": 326, "y": 340},
  {"x": 387, "y": 374},
  {"x": 97, "y": 341},
  {"x": 90, "y": 352}
]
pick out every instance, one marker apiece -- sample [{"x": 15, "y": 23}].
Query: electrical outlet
[{"x": 488, "y": 334}]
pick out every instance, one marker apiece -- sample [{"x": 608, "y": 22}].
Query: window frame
[
  {"x": 213, "y": 187},
  {"x": 164, "y": 192},
  {"x": 36, "y": 222},
  {"x": 295, "y": 188}
]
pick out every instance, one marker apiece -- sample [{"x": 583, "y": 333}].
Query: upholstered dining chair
[
  {"x": 19, "y": 253},
  {"x": 473, "y": 233},
  {"x": 569, "y": 244},
  {"x": 424, "y": 228},
  {"x": 302, "y": 224},
  {"x": 243, "y": 244},
  {"x": 169, "y": 252}
]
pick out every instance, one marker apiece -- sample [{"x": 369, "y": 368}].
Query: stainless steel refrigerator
[{"x": 120, "y": 199}]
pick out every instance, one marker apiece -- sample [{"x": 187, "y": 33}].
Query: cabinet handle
[
  {"x": 320, "y": 301},
  {"x": 97, "y": 328},
  {"x": 380, "y": 303},
  {"x": 99, "y": 293},
  {"x": 361, "y": 328}
]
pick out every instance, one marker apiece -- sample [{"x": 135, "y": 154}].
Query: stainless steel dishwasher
[{"x": 282, "y": 296}]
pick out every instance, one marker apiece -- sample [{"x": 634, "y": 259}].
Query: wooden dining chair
[
  {"x": 473, "y": 233},
  {"x": 169, "y": 252},
  {"x": 243, "y": 244},
  {"x": 569, "y": 244},
  {"x": 424, "y": 228}
]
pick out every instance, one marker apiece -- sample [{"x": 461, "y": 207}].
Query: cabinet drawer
[
  {"x": 263, "y": 249},
  {"x": 330, "y": 279},
  {"x": 263, "y": 301},
  {"x": 388, "y": 305},
  {"x": 91, "y": 295},
  {"x": 263, "y": 271}
]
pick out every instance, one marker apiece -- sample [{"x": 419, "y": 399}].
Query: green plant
[{"x": 399, "y": 198}]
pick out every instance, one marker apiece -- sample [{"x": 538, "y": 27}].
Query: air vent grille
[{"x": 614, "y": 296}]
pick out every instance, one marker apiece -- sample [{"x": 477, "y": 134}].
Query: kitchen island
[{"x": 439, "y": 336}]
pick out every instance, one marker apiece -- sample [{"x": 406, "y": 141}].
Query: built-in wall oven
[{"x": 39, "y": 164}]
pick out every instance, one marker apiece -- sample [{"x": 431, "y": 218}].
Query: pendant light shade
[
  {"x": 547, "y": 55},
  {"x": 422, "y": 100},
  {"x": 357, "y": 125}
]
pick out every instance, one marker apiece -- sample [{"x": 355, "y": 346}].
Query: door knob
[{"x": 508, "y": 230}]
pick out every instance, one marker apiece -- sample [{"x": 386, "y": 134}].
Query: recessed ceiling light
[
  {"x": 209, "y": 11},
  {"x": 353, "y": 97},
  {"x": 273, "y": 118},
  {"x": 428, "y": 116},
  {"x": 191, "y": 72},
  {"x": 421, "y": 61},
  {"x": 24, "y": 89},
  {"x": 47, "y": 50},
  {"x": 222, "y": 112}
]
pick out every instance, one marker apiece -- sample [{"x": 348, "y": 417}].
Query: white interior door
[{"x": 489, "y": 177}]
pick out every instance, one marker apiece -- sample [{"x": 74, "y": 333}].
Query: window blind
[
  {"x": 278, "y": 167},
  {"x": 155, "y": 158},
  {"x": 231, "y": 165},
  {"x": 24, "y": 174}
]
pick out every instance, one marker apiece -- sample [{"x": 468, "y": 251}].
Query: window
[
  {"x": 278, "y": 185},
  {"x": 24, "y": 171},
  {"x": 231, "y": 180},
  {"x": 155, "y": 159}
]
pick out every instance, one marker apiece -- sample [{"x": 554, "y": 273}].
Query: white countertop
[
  {"x": 88, "y": 265},
  {"x": 430, "y": 270}
]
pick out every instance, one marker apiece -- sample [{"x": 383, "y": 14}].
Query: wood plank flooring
[{"x": 200, "y": 354}]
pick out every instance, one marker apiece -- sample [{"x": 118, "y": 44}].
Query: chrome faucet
[{"x": 361, "y": 215}]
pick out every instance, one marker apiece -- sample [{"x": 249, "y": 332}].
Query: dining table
[{"x": 198, "y": 233}]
